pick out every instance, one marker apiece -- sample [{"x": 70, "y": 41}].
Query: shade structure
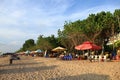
[
  {"x": 87, "y": 45},
  {"x": 58, "y": 49},
  {"x": 27, "y": 52},
  {"x": 38, "y": 51}
]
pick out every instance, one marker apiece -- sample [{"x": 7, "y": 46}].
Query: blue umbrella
[
  {"x": 38, "y": 51},
  {"x": 27, "y": 52}
]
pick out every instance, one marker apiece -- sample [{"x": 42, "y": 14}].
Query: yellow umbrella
[{"x": 58, "y": 49}]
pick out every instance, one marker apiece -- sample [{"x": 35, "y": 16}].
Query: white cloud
[{"x": 18, "y": 14}]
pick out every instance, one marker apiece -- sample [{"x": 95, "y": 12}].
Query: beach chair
[
  {"x": 105, "y": 58},
  {"x": 92, "y": 57},
  {"x": 65, "y": 57},
  {"x": 100, "y": 58},
  {"x": 70, "y": 57},
  {"x": 96, "y": 58}
]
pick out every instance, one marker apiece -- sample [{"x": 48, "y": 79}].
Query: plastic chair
[{"x": 96, "y": 58}]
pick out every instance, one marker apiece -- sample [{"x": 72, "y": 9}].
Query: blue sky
[{"x": 21, "y": 20}]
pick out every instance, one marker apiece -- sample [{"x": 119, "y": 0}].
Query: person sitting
[
  {"x": 61, "y": 56},
  {"x": 86, "y": 56},
  {"x": 91, "y": 58}
]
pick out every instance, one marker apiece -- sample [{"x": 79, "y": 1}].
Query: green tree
[
  {"x": 28, "y": 44},
  {"x": 117, "y": 19},
  {"x": 53, "y": 40},
  {"x": 43, "y": 43},
  {"x": 117, "y": 44},
  {"x": 96, "y": 28},
  {"x": 91, "y": 28}
]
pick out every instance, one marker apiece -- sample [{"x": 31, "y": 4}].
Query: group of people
[{"x": 92, "y": 56}]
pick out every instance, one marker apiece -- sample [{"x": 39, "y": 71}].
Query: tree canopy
[{"x": 95, "y": 28}]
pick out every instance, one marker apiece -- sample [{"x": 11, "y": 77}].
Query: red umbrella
[{"x": 87, "y": 45}]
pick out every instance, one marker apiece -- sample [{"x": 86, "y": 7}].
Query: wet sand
[{"x": 39, "y": 68}]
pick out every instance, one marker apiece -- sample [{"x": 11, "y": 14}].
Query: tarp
[{"x": 87, "y": 45}]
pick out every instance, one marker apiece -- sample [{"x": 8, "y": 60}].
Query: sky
[{"x": 21, "y": 20}]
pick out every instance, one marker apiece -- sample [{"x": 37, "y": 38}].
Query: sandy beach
[{"x": 39, "y": 68}]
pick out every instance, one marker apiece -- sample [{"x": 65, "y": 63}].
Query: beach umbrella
[
  {"x": 58, "y": 49},
  {"x": 27, "y": 52},
  {"x": 87, "y": 45},
  {"x": 38, "y": 51}
]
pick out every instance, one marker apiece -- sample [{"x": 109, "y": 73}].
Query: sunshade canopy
[
  {"x": 38, "y": 51},
  {"x": 27, "y": 52},
  {"x": 87, "y": 45},
  {"x": 58, "y": 49}
]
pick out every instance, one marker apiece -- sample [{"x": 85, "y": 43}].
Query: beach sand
[{"x": 39, "y": 68}]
